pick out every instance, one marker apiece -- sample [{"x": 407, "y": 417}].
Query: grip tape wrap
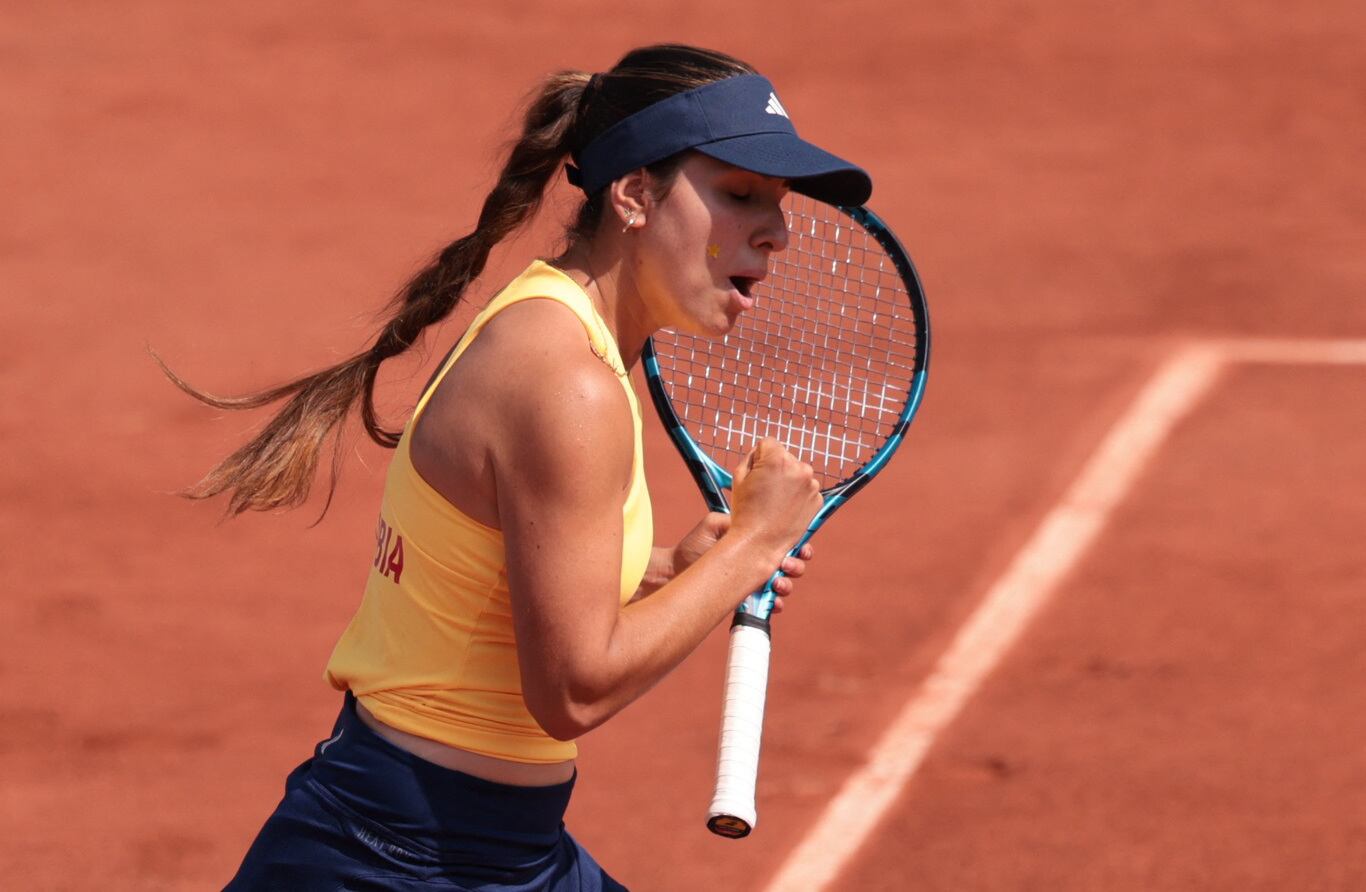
[{"x": 732, "y": 810}]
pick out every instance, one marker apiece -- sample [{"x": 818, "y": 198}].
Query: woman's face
[{"x": 706, "y": 243}]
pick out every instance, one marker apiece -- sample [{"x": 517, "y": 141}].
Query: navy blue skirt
[{"x": 363, "y": 814}]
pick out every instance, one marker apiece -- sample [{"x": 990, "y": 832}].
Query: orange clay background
[{"x": 1084, "y": 186}]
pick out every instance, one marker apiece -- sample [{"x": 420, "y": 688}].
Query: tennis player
[{"x": 515, "y": 599}]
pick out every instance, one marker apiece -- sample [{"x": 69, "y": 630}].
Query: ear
[{"x": 628, "y": 196}]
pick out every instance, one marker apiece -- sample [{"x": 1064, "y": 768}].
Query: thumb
[
  {"x": 742, "y": 470},
  {"x": 757, "y": 456}
]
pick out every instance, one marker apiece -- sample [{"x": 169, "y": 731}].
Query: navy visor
[{"x": 738, "y": 120}]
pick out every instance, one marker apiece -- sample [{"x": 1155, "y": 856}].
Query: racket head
[{"x": 831, "y": 360}]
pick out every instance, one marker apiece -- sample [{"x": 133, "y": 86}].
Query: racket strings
[{"x": 822, "y": 362}]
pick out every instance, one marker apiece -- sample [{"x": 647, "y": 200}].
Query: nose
[{"x": 772, "y": 232}]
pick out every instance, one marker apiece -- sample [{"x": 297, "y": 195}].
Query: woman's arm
[
  {"x": 562, "y": 461},
  {"x": 667, "y": 562}
]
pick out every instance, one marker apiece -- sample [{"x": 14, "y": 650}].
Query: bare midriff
[{"x": 499, "y": 771}]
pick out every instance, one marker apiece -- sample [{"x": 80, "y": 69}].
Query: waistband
[{"x": 437, "y": 807}]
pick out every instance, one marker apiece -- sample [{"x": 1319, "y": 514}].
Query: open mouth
[{"x": 743, "y": 284}]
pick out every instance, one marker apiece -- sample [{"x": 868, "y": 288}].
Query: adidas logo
[{"x": 775, "y": 107}]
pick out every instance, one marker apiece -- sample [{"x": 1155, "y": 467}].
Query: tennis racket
[{"x": 830, "y": 361}]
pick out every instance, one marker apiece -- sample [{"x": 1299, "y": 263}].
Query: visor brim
[{"x": 812, "y": 171}]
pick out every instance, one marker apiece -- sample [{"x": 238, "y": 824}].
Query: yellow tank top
[{"x": 431, "y": 649}]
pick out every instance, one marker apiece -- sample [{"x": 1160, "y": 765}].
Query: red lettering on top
[
  {"x": 388, "y": 552},
  {"x": 395, "y": 565},
  {"x": 380, "y": 532}
]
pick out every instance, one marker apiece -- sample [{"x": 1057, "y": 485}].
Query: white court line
[
  {"x": 1060, "y": 540},
  {"x": 1282, "y": 350},
  {"x": 1055, "y": 547}
]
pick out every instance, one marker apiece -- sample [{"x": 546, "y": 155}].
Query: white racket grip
[{"x": 732, "y": 811}]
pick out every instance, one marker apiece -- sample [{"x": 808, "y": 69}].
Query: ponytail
[{"x": 276, "y": 468}]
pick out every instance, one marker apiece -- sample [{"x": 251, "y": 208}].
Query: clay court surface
[{"x": 1095, "y": 193}]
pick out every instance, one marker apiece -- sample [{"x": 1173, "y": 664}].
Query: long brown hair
[{"x": 569, "y": 109}]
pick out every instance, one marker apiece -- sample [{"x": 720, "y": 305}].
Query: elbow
[
  {"x": 565, "y": 714},
  {"x": 562, "y": 727}
]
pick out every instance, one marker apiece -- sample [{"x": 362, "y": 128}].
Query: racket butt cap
[{"x": 729, "y": 826}]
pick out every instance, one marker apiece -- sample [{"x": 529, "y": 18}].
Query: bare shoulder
[
  {"x": 559, "y": 406},
  {"x": 526, "y": 400},
  {"x": 536, "y": 329},
  {"x": 538, "y": 350}
]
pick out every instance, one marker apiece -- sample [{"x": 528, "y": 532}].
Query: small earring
[{"x": 630, "y": 221}]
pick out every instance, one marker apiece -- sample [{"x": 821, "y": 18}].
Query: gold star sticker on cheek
[{"x": 713, "y": 251}]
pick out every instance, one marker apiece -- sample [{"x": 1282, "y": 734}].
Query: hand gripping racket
[{"x": 830, "y": 361}]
